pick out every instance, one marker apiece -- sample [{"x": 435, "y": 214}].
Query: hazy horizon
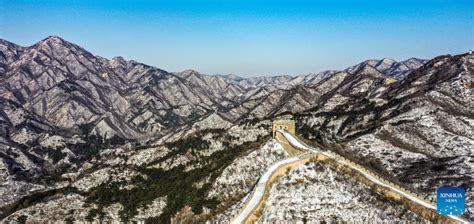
[{"x": 248, "y": 39}]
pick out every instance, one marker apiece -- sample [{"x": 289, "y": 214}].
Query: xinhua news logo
[{"x": 450, "y": 201}]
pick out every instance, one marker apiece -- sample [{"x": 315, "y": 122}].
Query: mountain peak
[
  {"x": 388, "y": 61},
  {"x": 369, "y": 70},
  {"x": 53, "y": 40},
  {"x": 59, "y": 46},
  {"x": 190, "y": 72},
  {"x": 118, "y": 58},
  {"x": 118, "y": 61},
  {"x": 416, "y": 60},
  {"x": 54, "y": 43},
  {"x": 232, "y": 77}
]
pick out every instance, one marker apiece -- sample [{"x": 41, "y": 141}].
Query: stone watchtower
[{"x": 287, "y": 125}]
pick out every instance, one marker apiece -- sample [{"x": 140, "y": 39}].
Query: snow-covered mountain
[
  {"x": 76, "y": 128},
  {"x": 391, "y": 67}
]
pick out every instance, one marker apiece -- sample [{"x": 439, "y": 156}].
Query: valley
[{"x": 86, "y": 138}]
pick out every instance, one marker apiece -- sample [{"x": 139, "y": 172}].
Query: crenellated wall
[
  {"x": 287, "y": 125},
  {"x": 355, "y": 169}
]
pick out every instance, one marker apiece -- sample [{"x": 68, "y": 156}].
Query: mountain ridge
[{"x": 66, "y": 113}]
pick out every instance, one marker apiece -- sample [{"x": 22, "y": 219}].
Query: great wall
[{"x": 300, "y": 153}]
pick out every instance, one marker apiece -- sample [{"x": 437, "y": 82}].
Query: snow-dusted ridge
[
  {"x": 259, "y": 190},
  {"x": 58, "y": 101},
  {"x": 297, "y": 144}
]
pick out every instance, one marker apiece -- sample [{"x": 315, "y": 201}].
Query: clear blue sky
[{"x": 247, "y": 37}]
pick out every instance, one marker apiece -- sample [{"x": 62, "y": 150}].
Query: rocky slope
[
  {"x": 95, "y": 133},
  {"x": 391, "y": 67},
  {"x": 315, "y": 193},
  {"x": 417, "y": 131}
]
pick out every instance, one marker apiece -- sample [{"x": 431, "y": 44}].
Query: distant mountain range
[
  {"x": 62, "y": 88},
  {"x": 62, "y": 108}
]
